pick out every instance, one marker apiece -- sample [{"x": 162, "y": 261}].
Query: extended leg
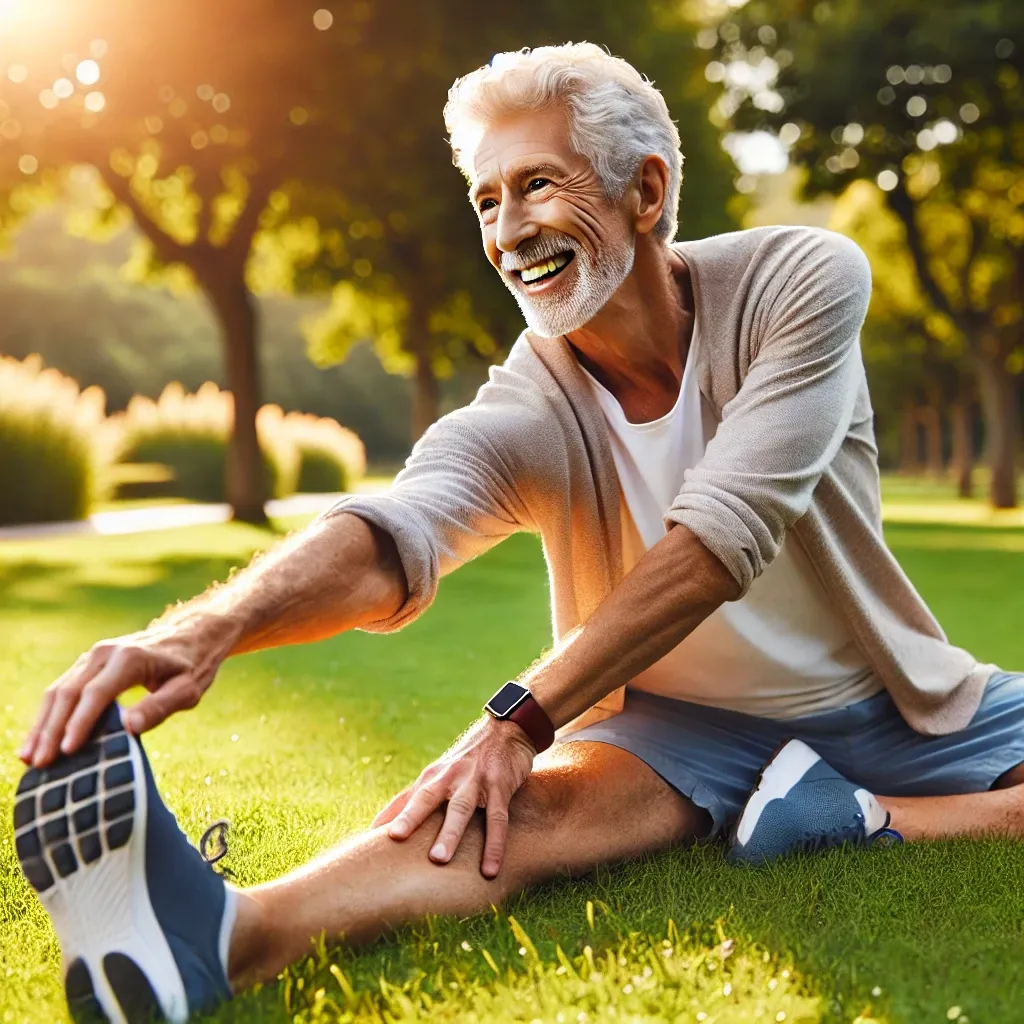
[
  {"x": 1000, "y": 811},
  {"x": 585, "y": 804}
]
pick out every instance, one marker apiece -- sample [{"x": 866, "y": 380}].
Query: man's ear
[{"x": 651, "y": 184}]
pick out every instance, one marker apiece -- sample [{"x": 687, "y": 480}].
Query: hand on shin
[{"x": 483, "y": 769}]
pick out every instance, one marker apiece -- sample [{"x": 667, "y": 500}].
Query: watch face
[{"x": 506, "y": 700}]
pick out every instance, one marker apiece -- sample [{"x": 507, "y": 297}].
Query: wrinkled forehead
[{"x": 501, "y": 148}]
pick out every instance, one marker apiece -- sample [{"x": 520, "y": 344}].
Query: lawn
[{"x": 299, "y": 747}]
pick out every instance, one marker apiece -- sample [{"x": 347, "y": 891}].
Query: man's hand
[
  {"x": 484, "y": 768},
  {"x": 176, "y": 664}
]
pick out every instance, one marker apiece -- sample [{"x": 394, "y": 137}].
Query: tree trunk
[
  {"x": 1002, "y": 427},
  {"x": 963, "y": 449},
  {"x": 246, "y": 482},
  {"x": 910, "y": 461},
  {"x": 427, "y": 397},
  {"x": 931, "y": 420}
]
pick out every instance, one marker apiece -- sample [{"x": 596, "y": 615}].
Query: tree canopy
[
  {"x": 270, "y": 144},
  {"x": 930, "y": 111}
]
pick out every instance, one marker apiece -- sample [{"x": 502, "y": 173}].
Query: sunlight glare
[{"x": 88, "y": 72}]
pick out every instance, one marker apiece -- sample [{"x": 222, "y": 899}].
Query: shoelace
[{"x": 216, "y": 833}]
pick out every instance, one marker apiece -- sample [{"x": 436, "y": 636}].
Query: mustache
[{"x": 533, "y": 250}]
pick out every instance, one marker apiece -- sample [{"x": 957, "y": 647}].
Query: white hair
[{"x": 616, "y": 115}]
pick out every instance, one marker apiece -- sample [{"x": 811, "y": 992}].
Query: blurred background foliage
[{"x": 259, "y": 194}]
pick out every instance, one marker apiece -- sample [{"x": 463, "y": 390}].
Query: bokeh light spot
[
  {"x": 28, "y": 164},
  {"x": 707, "y": 38},
  {"x": 49, "y": 99},
  {"x": 914, "y": 74},
  {"x": 298, "y": 115},
  {"x": 853, "y": 134},
  {"x": 886, "y": 95},
  {"x": 362, "y": 267},
  {"x": 916, "y": 106},
  {"x": 88, "y": 72},
  {"x": 789, "y": 134},
  {"x": 945, "y": 131},
  {"x": 894, "y": 75},
  {"x": 715, "y": 71},
  {"x": 98, "y": 49},
  {"x": 969, "y": 113},
  {"x": 154, "y": 125},
  {"x": 323, "y": 19},
  {"x": 200, "y": 140},
  {"x": 64, "y": 88},
  {"x": 205, "y": 93},
  {"x": 219, "y": 134},
  {"x": 10, "y": 129},
  {"x": 926, "y": 139},
  {"x": 887, "y": 180},
  {"x": 95, "y": 102},
  {"x": 222, "y": 103},
  {"x": 942, "y": 73},
  {"x": 17, "y": 73},
  {"x": 848, "y": 159},
  {"x": 1004, "y": 48}
]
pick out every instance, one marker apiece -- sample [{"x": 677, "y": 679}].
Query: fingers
[
  {"x": 60, "y": 702},
  {"x": 32, "y": 740},
  {"x": 177, "y": 694},
  {"x": 426, "y": 799},
  {"x": 495, "y": 838},
  {"x": 393, "y": 806},
  {"x": 461, "y": 808},
  {"x": 121, "y": 671}
]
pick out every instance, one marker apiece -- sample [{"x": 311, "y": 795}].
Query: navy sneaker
[
  {"x": 143, "y": 921},
  {"x": 802, "y": 803}
]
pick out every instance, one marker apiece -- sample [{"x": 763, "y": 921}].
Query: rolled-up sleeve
[
  {"x": 792, "y": 411},
  {"x": 453, "y": 501}
]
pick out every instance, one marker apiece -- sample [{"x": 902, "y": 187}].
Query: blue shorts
[{"x": 713, "y": 756}]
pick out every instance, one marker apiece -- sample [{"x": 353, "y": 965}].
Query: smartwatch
[{"x": 515, "y": 703}]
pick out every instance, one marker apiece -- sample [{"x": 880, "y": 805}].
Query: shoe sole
[
  {"x": 80, "y": 837},
  {"x": 780, "y": 762}
]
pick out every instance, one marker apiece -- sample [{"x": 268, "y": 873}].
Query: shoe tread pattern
[{"x": 90, "y": 792}]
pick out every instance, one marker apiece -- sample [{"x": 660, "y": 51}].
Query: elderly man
[{"x": 687, "y": 426}]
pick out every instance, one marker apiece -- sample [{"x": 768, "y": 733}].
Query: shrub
[
  {"x": 189, "y": 433},
  {"x": 331, "y": 457},
  {"x": 53, "y": 444}
]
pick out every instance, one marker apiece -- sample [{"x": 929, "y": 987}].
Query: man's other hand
[
  {"x": 484, "y": 768},
  {"x": 176, "y": 665}
]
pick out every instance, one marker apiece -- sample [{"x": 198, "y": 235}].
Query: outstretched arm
[{"x": 340, "y": 573}]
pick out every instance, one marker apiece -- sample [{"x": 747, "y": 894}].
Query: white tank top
[{"x": 782, "y": 650}]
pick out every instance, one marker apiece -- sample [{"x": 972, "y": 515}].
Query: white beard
[{"x": 597, "y": 280}]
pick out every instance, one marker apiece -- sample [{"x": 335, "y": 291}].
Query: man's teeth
[{"x": 547, "y": 267}]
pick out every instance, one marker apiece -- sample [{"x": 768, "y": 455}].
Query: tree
[
  {"x": 915, "y": 355},
  {"x": 929, "y": 107},
  {"x": 193, "y": 114}
]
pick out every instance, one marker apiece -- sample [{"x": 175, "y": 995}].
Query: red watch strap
[{"x": 534, "y": 721}]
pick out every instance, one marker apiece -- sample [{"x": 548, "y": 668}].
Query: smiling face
[{"x": 561, "y": 246}]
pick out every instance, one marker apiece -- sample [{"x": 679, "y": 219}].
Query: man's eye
[
  {"x": 487, "y": 204},
  {"x": 537, "y": 183}
]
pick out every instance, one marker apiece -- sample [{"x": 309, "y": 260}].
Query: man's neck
[{"x": 637, "y": 345}]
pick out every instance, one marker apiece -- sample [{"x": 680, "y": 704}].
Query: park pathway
[{"x": 169, "y": 517}]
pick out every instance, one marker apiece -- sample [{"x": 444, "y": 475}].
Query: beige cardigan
[{"x": 776, "y": 339}]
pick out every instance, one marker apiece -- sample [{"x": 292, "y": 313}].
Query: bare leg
[
  {"x": 1000, "y": 811},
  {"x": 585, "y": 804}
]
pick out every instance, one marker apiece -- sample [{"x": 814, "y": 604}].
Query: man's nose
[{"x": 513, "y": 228}]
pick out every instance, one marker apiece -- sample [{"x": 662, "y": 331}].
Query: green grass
[{"x": 299, "y": 747}]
